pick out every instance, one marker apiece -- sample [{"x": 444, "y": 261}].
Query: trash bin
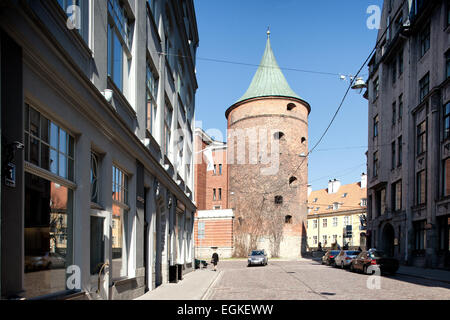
[
  {"x": 180, "y": 272},
  {"x": 173, "y": 274}
]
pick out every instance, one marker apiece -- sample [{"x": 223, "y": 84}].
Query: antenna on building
[{"x": 268, "y": 32}]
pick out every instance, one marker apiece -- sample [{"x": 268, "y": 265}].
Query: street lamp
[{"x": 359, "y": 84}]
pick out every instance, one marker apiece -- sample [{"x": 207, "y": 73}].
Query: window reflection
[
  {"x": 47, "y": 145},
  {"x": 119, "y": 266},
  {"x": 47, "y": 235}
]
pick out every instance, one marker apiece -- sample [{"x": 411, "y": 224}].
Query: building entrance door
[
  {"x": 387, "y": 240},
  {"x": 99, "y": 266}
]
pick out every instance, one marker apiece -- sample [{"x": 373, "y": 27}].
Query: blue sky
[{"x": 327, "y": 36}]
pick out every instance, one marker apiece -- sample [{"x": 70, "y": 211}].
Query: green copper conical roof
[{"x": 268, "y": 79}]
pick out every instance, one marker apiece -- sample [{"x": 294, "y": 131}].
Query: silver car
[
  {"x": 345, "y": 257},
  {"x": 257, "y": 257}
]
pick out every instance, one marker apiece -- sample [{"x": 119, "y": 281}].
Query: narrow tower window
[
  {"x": 291, "y": 106},
  {"x": 288, "y": 219},
  {"x": 303, "y": 139},
  {"x": 292, "y": 181},
  {"x": 278, "y": 135},
  {"x": 278, "y": 199}
]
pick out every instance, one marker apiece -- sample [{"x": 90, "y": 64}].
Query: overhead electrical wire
[{"x": 255, "y": 65}]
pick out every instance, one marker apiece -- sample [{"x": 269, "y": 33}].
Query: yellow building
[{"x": 336, "y": 215}]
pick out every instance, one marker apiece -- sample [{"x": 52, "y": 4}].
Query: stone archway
[{"x": 387, "y": 239}]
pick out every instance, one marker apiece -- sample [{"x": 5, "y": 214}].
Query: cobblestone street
[{"x": 309, "y": 280}]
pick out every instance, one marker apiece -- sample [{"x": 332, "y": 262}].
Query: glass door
[{"x": 99, "y": 265}]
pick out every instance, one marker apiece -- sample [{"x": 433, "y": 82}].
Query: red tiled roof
[{"x": 352, "y": 201}]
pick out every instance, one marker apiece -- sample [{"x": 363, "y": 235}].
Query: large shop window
[
  {"x": 119, "y": 224},
  {"x": 48, "y": 235},
  {"x": 47, "y": 145}
]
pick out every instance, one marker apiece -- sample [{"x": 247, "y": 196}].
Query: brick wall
[
  {"x": 207, "y": 181},
  {"x": 200, "y": 173},
  {"x": 254, "y": 192},
  {"x": 216, "y": 181},
  {"x": 218, "y": 233}
]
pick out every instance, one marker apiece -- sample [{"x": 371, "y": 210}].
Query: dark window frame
[
  {"x": 424, "y": 86},
  {"x": 425, "y": 40},
  {"x": 421, "y": 182},
  {"x": 421, "y": 138},
  {"x": 446, "y": 120}
]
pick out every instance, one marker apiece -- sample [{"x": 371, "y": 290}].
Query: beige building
[{"x": 336, "y": 215}]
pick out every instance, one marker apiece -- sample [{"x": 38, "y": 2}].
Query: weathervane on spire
[{"x": 268, "y": 32}]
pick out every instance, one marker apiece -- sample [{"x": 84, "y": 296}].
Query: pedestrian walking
[{"x": 215, "y": 260}]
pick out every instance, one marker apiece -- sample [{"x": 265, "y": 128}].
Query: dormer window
[
  {"x": 336, "y": 206},
  {"x": 344, "y": 195},
  {"x": 288, "y": 219},
  {"x": 315, "y": 200}
]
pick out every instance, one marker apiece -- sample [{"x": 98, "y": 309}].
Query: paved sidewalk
[
  {"x": 194, "y": 286},
  {"x": 425, "y": 273}
]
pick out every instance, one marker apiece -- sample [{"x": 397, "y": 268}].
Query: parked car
[
  {"x": 345, "y": 257},
  {"x": 375, "y": 258},
  {"x": 37, "y": 262},
  {"x": 257, "y": 257},
  {"x": 329, "y": 257}
]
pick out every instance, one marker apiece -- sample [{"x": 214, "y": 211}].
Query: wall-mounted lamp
[{"x": 108, "y": 94}]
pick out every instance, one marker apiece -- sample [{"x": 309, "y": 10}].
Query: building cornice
[
  {"x": 237, "y": 104},
  {"x": 337, "y": 213}
]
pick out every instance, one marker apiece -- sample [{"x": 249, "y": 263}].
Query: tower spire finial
[{"x": 268, "y": 32}]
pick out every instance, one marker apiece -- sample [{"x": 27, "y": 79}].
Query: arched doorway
[{"x": 387, "y": 239}]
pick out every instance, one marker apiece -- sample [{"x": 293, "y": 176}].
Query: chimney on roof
[
  {"x": 363, "y": 180},
  {"x": 333, "y": 186},
  {"x": 309, "y": 190}
]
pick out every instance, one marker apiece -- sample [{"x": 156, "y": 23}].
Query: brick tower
[{"x": 268, "y": 170}]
